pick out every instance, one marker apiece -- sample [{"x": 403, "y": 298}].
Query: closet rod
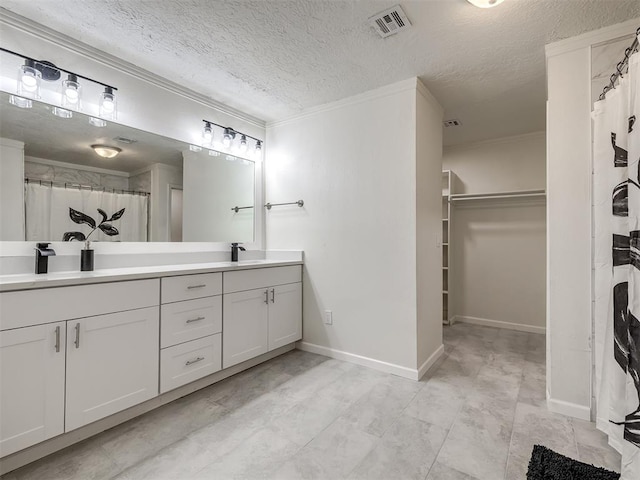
[
  {"x": 497, "y": 195},
  {"x": 84, "y": 187},
  {"x": 621, "y": 66}
]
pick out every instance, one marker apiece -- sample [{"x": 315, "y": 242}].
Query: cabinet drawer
[
  {"x": 190, "y": 361},
  {"x": 47, "y": 305},
  {"x": 189, "y": 320},
  {"x": 188, "y": 287},
  {"x": 241, "y": 280}
]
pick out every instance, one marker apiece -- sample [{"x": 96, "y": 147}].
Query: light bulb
[
  {"x": 61, "y": 112},
  {"x": 106, "y": 151},
  {"x": 258, "y": 149},
  {"x": 107, "y": 103},
  {"x": 71, "y": 92},
  {"x": 243, "y": 144},
  {"x": 229, "y": 134},
  {"x": 207, "y": 134},
  {"x": 29, "y": 80}
]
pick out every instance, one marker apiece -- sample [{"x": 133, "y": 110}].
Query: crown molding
[
  {"x": 592, "y": 38},
  {"x": 75, "y": 166},
  {"x": 394, "y": 88},
  {"x": 47, "y": 34}
]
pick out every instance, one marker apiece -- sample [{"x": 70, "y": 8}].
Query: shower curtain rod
[
  {"x": 620, "y": 67},
  {"x": 84, "y": 187}
]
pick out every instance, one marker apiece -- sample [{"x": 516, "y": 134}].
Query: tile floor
[{"x": 303, "y": 416}]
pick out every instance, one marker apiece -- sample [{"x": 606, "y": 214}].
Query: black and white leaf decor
[{"x": 84, "y": 219}]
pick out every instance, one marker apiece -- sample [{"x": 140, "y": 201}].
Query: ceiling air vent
[
  {"x": 390, "y": 21},
  {"x": 126, "y": 140},
  {"x": 452, "y": 123}
]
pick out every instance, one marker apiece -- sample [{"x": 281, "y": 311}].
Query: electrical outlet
[{"x": 328, "y": 317}]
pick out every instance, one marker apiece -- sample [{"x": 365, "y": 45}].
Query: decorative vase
[{"x": 86, "y": 258}]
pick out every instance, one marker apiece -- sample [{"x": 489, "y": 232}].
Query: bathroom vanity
[{"x": 78, "y": 348}]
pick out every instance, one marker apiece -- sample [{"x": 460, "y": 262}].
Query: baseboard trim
[
  {"x": 431, "y": 361},
  {"x": 386, "y": 367},
  {"x": 498, "y": 324},
  {"x": 570, "y": 409}
]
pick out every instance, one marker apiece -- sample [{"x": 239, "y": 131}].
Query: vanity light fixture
[
  {"x": 34, "y": 72},
  {"x": 71, "y": 91},
  {"x": 228, "y": 140},
  {"x": 229, "y": 135},
  {"x": 106, "y": 151},
  {"x": 485, "y": 3},
  {"x": 213, "y": 153},
  {"x": 20, "y": 102},
  {"x": 107, "y": 103},
  {"x": 195, "y": 148},
  {"x": 207, "y": 134},
  {"x": 243, "y": 144},
  {"x": 29, "y": 78},
  {"x": 97, "y": 122}
]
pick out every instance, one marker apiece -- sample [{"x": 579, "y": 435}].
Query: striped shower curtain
[{"x": 617, "y": 267}]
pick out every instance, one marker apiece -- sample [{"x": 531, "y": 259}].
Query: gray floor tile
[
  {"x": 406, "y": 451},
  {"x": 442, "y": 472}
]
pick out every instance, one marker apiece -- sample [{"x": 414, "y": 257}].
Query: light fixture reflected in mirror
[
  {"x": 106, "y": 151},
  {"x": 20, "y": 102},
  {"x": 97, "y": 122},
  {"x": 61, "y": 112}
]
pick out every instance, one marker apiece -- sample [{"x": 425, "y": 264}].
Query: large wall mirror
[{"x": 168, "y": 191}]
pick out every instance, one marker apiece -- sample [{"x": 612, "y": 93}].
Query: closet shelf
[{"x": 459, "y": 197}]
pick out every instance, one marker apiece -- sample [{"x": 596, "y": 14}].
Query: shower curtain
[
  {"x": 617, "y": 267},
  {"x": 47, "y": 213}
]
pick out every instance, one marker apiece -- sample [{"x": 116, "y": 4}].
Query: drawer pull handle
[
  {"x": 77, "y": 340},
  {"x": 191, "y": 287},
  {"x": 191, "y": 362},
  {"x": 57, "y": 339},
  {"x": 197, "y": 319},
  {"x": 266, "y": 296},
  {"x": 273, "y": 295}
]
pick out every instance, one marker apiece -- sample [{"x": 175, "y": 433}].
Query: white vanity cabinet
[
  {"x": 67, "y": 360},
  {"x": 191, "y": 326},
  {"x": 112, "y": 364},
  {"x": 262, "y": 310},
  {"x": 32, "y": 364}
]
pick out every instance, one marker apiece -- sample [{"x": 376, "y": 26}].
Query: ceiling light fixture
[
  {"x": 106, "y": 151},
  {"x": 485, "y": 3},
  {"x": 33, "y": 72}
]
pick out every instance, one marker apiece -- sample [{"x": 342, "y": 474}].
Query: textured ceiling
[{"x": 272, "y": 58}]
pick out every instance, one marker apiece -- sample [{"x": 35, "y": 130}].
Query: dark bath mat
[{"x": 546, "y": 464}]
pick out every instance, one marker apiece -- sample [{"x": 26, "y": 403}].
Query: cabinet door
[
  {"x": 112, "y": 364},
  {"x": 31, "y": 385},
  {"x": 244, "y": 326},
  {"x": 285, "y": 315}
]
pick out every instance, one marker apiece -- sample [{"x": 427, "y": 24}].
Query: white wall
[
  {"x": 11, "y": 190},
  {"x": 354, "y": 165},
  {"x": 569, "y": 228},
  {"x": 429, "y": 226},
  {"x": 498, "y": 248}
]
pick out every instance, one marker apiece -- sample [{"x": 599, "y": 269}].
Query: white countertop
[{"x": 59, "y": 279}]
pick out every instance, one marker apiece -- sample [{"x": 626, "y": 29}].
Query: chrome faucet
[
  {"x": 234, "y": 251},
  {"x": 43, "y": 252}
]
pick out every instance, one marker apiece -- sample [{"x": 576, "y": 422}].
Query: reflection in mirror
[{"x": 51, "y": 160}]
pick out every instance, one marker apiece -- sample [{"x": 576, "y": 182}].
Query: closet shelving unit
[{"x": 448, "y": 187}]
